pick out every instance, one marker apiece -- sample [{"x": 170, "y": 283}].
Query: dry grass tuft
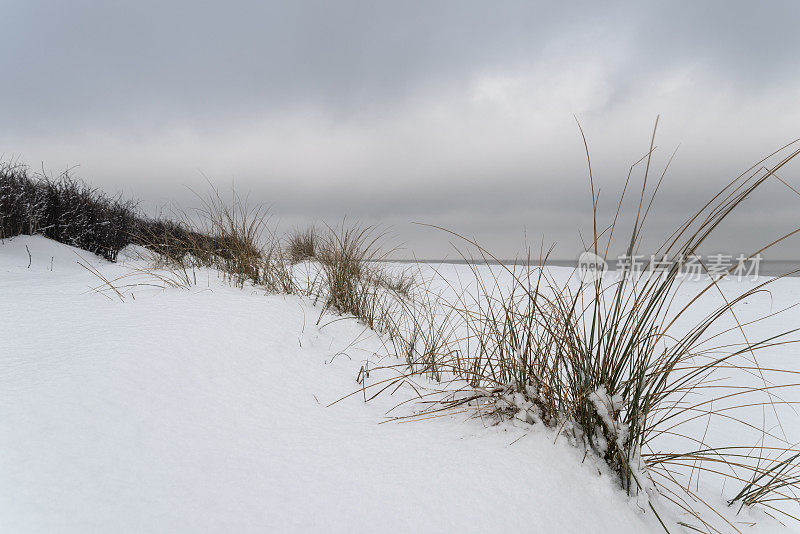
[
  {"x": 401, "y": 284},
  {"x": 348, "y": 256},
  {"x": 302, "y": 245},
  {"x": 226, "y": 235}
]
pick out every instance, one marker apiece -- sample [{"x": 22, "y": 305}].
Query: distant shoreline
[{"x": 766, "y": 267}]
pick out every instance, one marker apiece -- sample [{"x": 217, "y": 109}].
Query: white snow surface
[{"x": 205, "y": 410}]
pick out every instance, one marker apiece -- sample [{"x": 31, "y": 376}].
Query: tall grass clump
[
  {"x": 64, "y": 209},
  {"x": 237, "y": 232},
  {"x": 349, "y": 256},
  {"x": 610, "y": 362},
  {"x": 223, "y": 234},
  {"x": 302, "y": 245}
]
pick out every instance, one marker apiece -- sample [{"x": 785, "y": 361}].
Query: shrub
[{"x": 64, "y": 209}]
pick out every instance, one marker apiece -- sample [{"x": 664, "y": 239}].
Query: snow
[
  {"x": 206, "y": 410},
  {"x": 606, "y": 406}
]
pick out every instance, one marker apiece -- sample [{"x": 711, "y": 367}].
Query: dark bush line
[
  {"x": 69, "y": 211},
  {"x": 64, "y": 209}
]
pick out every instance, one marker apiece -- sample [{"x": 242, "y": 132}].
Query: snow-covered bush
[{"x": 64, "y": 209}]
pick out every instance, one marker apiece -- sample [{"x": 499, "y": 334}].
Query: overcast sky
[{"x": 458, "y": 114}]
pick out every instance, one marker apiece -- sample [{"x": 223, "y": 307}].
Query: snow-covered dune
[{"x": 205, "y": 410}]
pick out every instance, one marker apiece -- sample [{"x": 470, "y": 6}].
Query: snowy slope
[{"x": 205, "y": 411}]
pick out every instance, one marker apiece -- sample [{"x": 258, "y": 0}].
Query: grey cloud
[{"x": 199, "y": 59}]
